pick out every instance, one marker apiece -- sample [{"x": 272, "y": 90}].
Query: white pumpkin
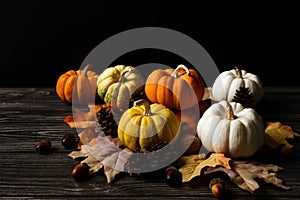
[
  {"x": 228, "y": 82},
  {"x": 231, "y": 129}
]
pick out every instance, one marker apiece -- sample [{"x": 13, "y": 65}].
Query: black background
[{"x": 39, "y": 40}]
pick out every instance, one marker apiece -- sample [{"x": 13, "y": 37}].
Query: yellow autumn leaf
[
  {"x": 192, "y": 165},
  {"x": 276, "y": 134}
]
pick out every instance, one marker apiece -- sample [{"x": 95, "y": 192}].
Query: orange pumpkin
[
  {"x": 77, "y": 87},
  {"x": 178, "y": 89},
  {"x": 192, "y": 115}
]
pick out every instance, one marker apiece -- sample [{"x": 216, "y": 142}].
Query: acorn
[
  {"x": 217, "y": 187},
  {"x": 43, "y": 147},
  {"x": 173, "y": 176},
  {"x": 69, "y": 141},
  {"x": 80, "y": 172}
]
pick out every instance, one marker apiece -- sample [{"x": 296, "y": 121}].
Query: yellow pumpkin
[{"x": 145, "y": 126}]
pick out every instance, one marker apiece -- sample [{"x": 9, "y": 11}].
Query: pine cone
[
  {"x": 141, "y": 162},
  {"x": 138, "y": 94},
  {"x": 153, "y": 148},
  {"x": 244, "y": 96},
  {"x": 107, "y": 118}
]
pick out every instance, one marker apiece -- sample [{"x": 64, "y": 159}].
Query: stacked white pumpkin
[{"x": 228, "y": 127}]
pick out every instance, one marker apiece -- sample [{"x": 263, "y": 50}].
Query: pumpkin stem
[
  {"x": 144, "y": 102},
  {"x": 85, "y": 70},
  {"x": 123, "y": 74},
  {"x": 175, "y": 73},
  {"x": 230, "y": 114},
  {"x": 239, "y": 72}
]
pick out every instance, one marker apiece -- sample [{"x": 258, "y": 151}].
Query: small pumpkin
[
  {"x": 78, "y": 86},
  {"x": 145, "y": 126},
  {"x": 229, "y": 82},
  {"x": 187, "y": 140},
  {"x": 231, "y": 129},
  {"x": 178, "y": 89},
  {"x": 116, "y": 85},
  {"x": 192, "y": 115}
]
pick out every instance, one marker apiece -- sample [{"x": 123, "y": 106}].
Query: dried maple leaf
[
  {"x": 191, "y": 166},
  {"x": 104, "y": 153},
  {"x": 87, "y": 136},
  {"x": 244, "y": 173},
  {"x": 83, "y": 119},
  {"x": 276, "y": 135}
]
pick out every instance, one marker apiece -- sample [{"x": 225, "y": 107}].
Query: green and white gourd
[{"x": 115, "y": 85}]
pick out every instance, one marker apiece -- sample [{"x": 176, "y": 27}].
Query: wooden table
[{"x": 28, "y": 115}]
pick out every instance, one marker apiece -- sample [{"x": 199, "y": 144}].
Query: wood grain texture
[{"x": 28, "y": 115}]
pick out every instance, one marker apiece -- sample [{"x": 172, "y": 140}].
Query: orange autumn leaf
[
  {"x": 70, "y": 121},
  {"x": 191, "y": 166},
  {"x": 276, "y": 134},
  {"x": 83, "y": 119}
]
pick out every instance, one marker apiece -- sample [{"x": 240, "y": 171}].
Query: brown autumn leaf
[
  {"x": 192, "y": 165},
  {"x": 244, "y": 173},
  {"x": 86, "y": 136},
  {"x": 276, "y": 134},
  {"x": 104, "y": 152}
]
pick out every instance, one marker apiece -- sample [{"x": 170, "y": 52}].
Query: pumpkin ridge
[
  {"x": 82, "y": 88},
  {"x": 60, "y": 86},
  {"x": 164, "y": 93},
  {"x": 258, "y": 126},
  {"x": 159, "y": 122},
  {"x": 167, "y": 129},
  {"x": 108, "y": 95},
  {"x": 199, "y": 85},
  {"x": 148, "y": 135},
  {"x": 103, "y": 86},
  {"x": 68, "y": 91},
  {"x": 121, "y": 95},
  {"x": 133, "y": 128},
  {"x": 239, "y": 148},
  {"x": 225, "y": 81},
  {"x": 173, "y": 121},
  {"x": 247, "y": 123}
]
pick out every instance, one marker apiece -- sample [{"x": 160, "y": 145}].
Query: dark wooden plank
[
  {"x": 28, "y": 94},
  {"x": 34, "y": 112}
]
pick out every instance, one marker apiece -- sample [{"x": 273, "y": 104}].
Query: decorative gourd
[
  {"x": 116, "y": 84},
  {"x": 228, "y": 82},
  {"x": 145, "y": 126},
  {"x": 178, "y": 89},
  {"x": 231, "y": 129},
  {"x": 78, "y": 86}
]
